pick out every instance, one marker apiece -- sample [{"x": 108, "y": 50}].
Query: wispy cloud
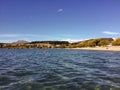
[
  {"x": 60, "y": 10},
  {"x": 9, "y": 35},
  {"x": 8, "y": 38},
  {"x": 31, "y": 35},
  {"x": 110, "y": 33},
  {"x": 17, "y": 35}
]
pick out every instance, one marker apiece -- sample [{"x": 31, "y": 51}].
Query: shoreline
[{"x": 109, "y": 48}]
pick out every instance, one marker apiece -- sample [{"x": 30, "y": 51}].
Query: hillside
[{"x": 62, "y": 44}]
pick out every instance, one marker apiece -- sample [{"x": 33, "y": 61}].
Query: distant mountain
[{"x": 20, "y": 42}]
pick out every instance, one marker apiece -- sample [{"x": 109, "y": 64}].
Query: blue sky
[{"x": 58, "y": 19}]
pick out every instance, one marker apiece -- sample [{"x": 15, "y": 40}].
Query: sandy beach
[{"x": 109, "y": 48}]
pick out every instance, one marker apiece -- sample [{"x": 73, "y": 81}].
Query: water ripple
[{"x": 59, "y": 69}]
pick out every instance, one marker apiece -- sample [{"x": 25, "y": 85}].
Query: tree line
[
  {"x": 36, "y": 44},
  {"x": 64, "y": 44}
]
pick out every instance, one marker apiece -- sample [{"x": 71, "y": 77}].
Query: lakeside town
[{"x": 91, "y": 43}]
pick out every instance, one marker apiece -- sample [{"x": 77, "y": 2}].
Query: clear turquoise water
[{"x": 59, "y": 69}]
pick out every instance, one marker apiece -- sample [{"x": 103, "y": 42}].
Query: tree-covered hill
[{"x": 63, "y": 44}]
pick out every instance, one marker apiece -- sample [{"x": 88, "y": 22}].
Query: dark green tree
[
  {"x": 93, "y": 43},
  {"x": 104, "y": 42}
]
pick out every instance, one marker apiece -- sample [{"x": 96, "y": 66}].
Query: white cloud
[
  {"x": 9, "y": 35},
  {"x": 31, "y": 35},
  {"x": 110, "y": 33},
  {"x": 7, "y": 41},
  {"x": 73, "y": 40},
  {"x": 18, "y": 35},
  {"x": 15, "y": 37},
  {"x": 60, "y": 10}
]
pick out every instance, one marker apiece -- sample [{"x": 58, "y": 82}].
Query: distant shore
[{"x": 109, "y": 48}]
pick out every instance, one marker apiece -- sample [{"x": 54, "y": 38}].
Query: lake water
[{"x": 59, "y": 69}]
